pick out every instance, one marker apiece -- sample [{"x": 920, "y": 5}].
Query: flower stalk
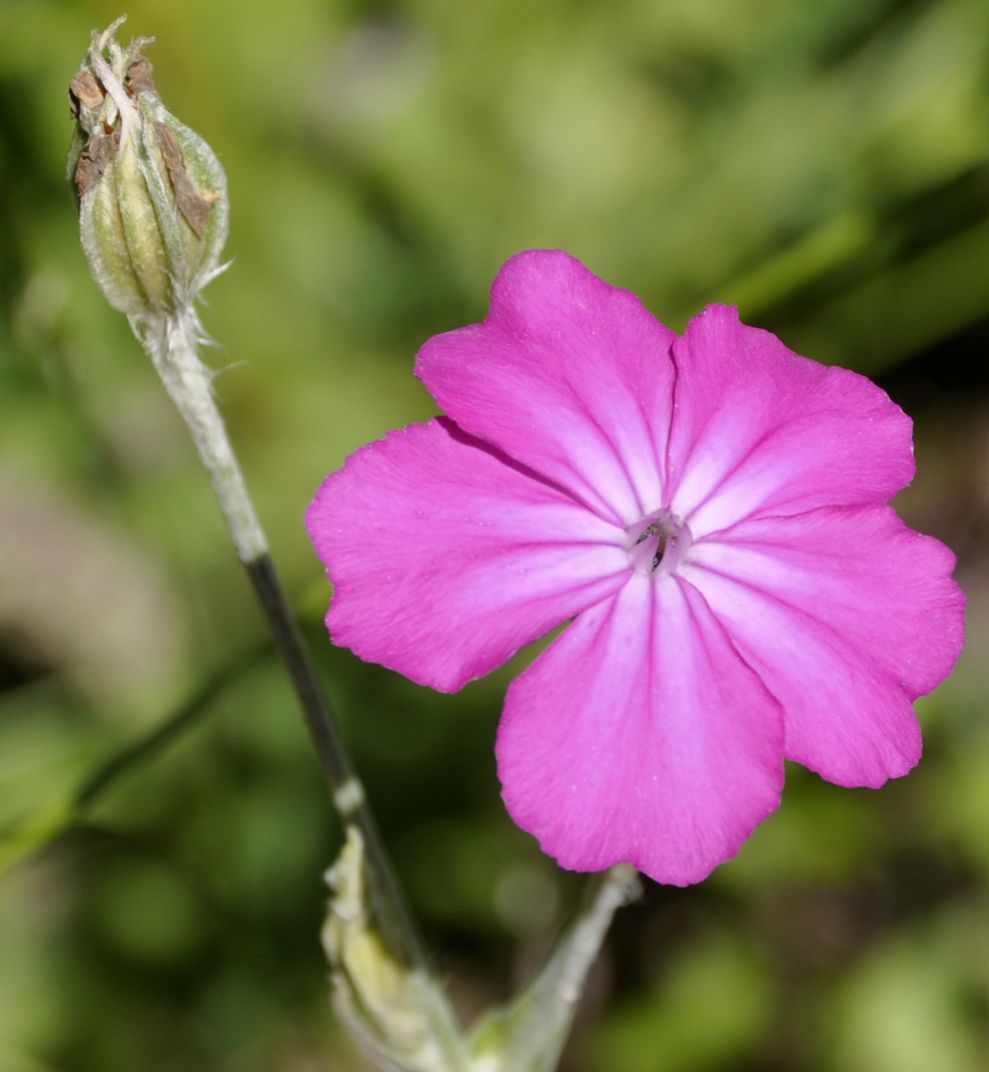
[
  {"x": 153, "y": 220},
  {"x": 529, "y": 1034},
  {"x": 172, "y": 346}
]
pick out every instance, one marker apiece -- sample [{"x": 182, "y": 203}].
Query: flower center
[{"x": 658, "y": 543}]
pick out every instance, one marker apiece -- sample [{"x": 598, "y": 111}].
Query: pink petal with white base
[
  {"x": 847, "y": 615},
  {"x": 760, "y": 429},
  {"x": 446, "y": 560},
  {"x": 568, "y": 375},
  {"x": 641, "y": 736}
]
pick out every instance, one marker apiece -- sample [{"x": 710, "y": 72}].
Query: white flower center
[{"x": 658, "y": 543}]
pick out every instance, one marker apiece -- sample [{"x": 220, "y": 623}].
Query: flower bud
[
  {"x": 388, "y": 1007},
  {"x": 152, "y": 194}
]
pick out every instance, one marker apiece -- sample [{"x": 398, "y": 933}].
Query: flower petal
[
  {"x": 848, "y": 616},
  {"x": 759, "y": 428},
  {"x": 640, "y": 735},
  {"x": 446, "y": 559},
  {"x": 568, "y": 375}
]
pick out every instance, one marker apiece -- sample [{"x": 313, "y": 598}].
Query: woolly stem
[
  {"x": 539, "y": 1020},
  {"x": 172, "y": 343}
]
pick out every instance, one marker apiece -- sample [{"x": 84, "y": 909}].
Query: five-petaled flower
[{"x": 708, "y": 509}]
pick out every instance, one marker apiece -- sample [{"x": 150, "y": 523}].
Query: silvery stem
[
  {"x": 537, "y": 1024},
  {"x": 567, "y": 969},
  {"x": 539, "y": 1021},
  {"x": 172, "y": 343}
]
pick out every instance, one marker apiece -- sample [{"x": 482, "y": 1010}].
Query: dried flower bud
[{"x": 152, "y": 194}]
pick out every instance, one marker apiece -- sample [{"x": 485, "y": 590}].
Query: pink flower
[{"x": 708, "y": 509}]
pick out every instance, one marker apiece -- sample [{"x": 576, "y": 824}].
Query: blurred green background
[{"x": 822, "y": 165}]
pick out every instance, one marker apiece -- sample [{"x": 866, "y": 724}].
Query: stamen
[{"x": 658, "y": 543}]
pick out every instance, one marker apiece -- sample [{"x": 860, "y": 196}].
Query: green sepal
[{"x": 152, "y": 195}]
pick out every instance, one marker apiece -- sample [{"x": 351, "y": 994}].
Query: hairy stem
[
  {"x": 539, "y": 1021},
  {"x": 172, "y": 344}
]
